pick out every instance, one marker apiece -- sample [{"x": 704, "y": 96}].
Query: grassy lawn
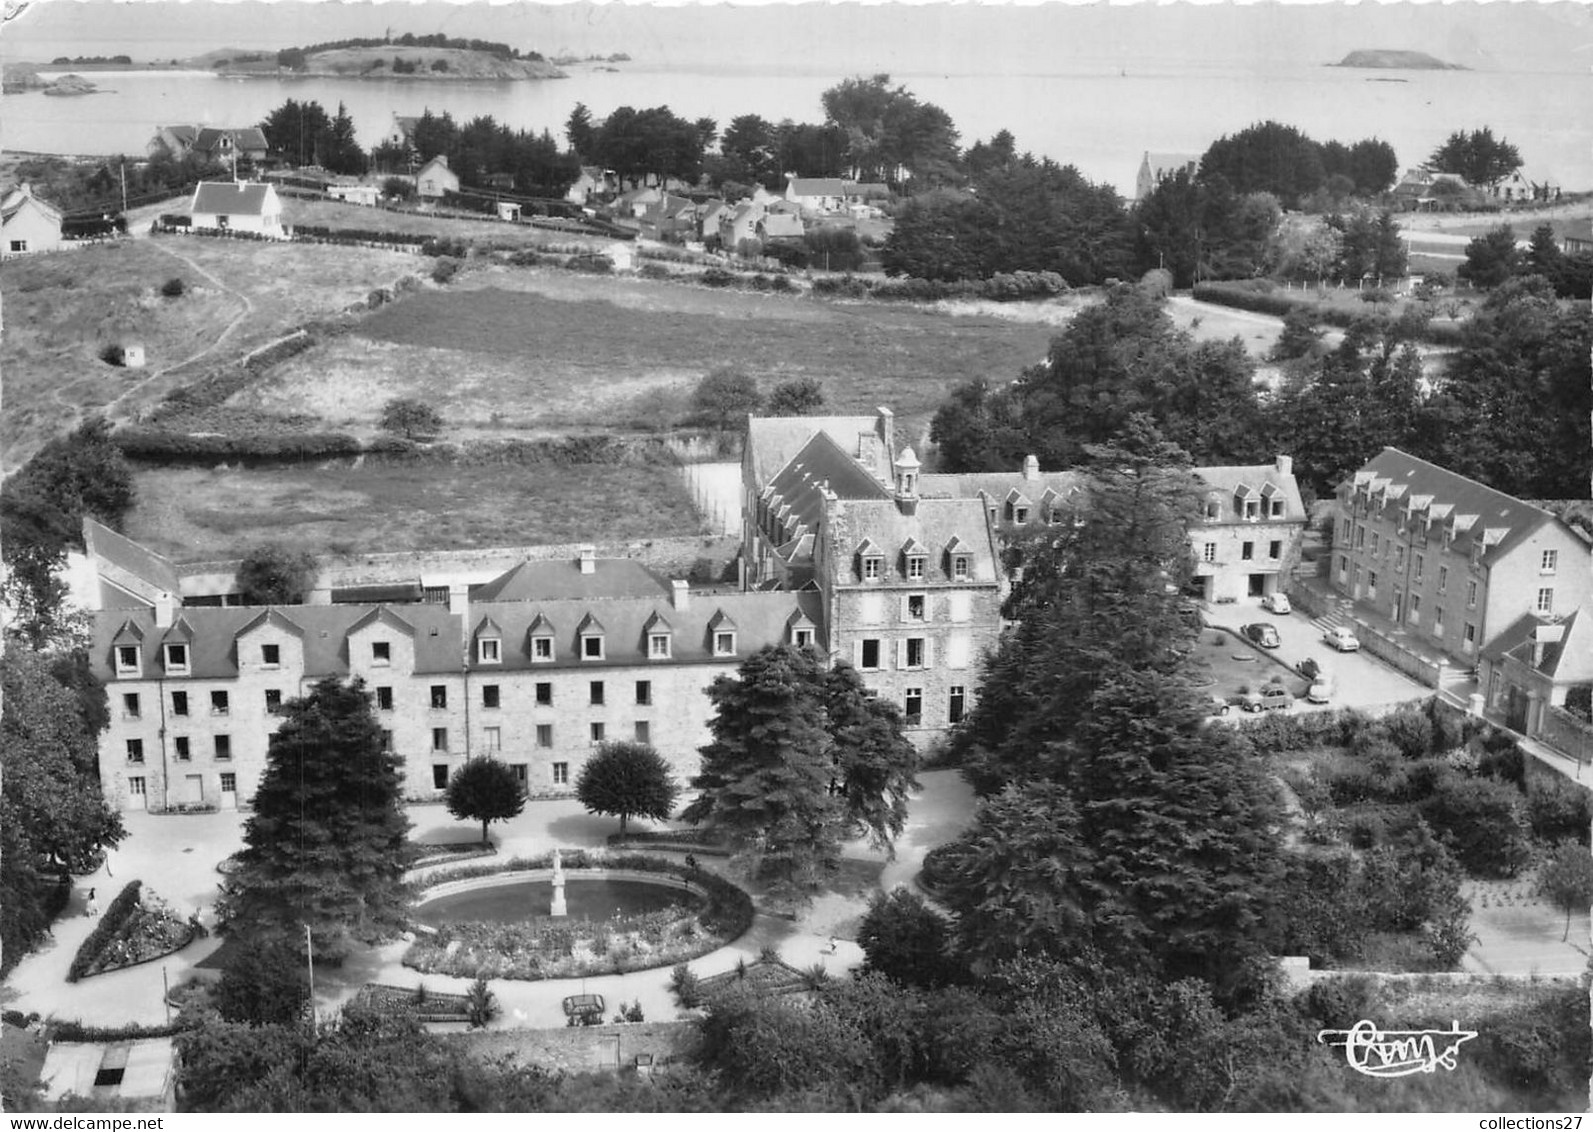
[
  {"x": 545, "y": 349},
  {"x": 1234, "y": 665},
  {"x": 333, "y": 508},
  {"x": 338, "y": 214},
  {"x": 61, "y": 310}
]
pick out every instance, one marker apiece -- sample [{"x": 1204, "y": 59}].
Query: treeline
[
  {"x": 80, "y": 188},
  {"x": 302, "y": 133},
  {"x": 1512, "y": 411},
  {"x": 1270, "y": 157},
  {"x": 91, "y": 60},
  {"x": 295, "y": 58},
  {"x": 482, "y": 149}
]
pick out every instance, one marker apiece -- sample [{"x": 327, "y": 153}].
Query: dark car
[
  {"x": 1309, "y": 668},
  {"x": 1263, "y": 633},
  {"x": 1272, "y": 697}
]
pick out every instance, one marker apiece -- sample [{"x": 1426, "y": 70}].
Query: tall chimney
[
  {"x": 1285, "y": 465},
  {"x": 165, "y": 610},
  {"x": 680, "y": 598},
  {"x": 1031, "y": 467},
  {"x": 589, "y": 560}
]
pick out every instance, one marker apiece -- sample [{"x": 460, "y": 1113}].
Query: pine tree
[{"x": 324, "y": 847}]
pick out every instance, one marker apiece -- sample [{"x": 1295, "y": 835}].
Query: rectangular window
[
  {"x": 439, "y": 738},
  {"x": 20, "y": 246},
  {"x": 384, "y": 699},
  {"x": 1247, "y": 551},
  {"x": 439, "y": 776},
  {"x": 1416, "y": 567},
  {"x": 644, "y": 731},
  {"x": 724, "y": 644},
  {"x": 644, "y": 692},
  {"x": 1344, "y": 531},
  {"x": 1360, "y": 536},
  {"x": 957, "y": 704},
  {"x": 1549, "y": 562},
  {"x": 439, "y": 696},
  {"x": 915, "y": 562},
  {"x": 487, "y": 650},
  {"x": 381, "y": 654},
  {"x": 1277, "y": 508},
  {"x": 959, "y": 567},
  {"x": 1469, "y": 642},
  {"x": 1275, "y": 549},
  {"x": 561, "y": 774},
  {"x": 1438, "y": 621},
  {"x": 544, "y": 694},
  {"x": 592, "y": 648},
  {"x": 1208, "y": 552},
  {"x": 870, "y": 653},
  {"x": 126, "y": 659},
  {"x": 802, "y": 638},
  {"x": 177, "y": 658},
  {"x": 915, "y": 652},
  {"x": 135, "y": 750},
  {"x": 223, "y": 748},
  {"x": 135, "y": 785},
  {"x": 871, "y": 569},
  {"x": 1399, "y": 558},
  {"x": 229, "y": 782},
  {"x": 1471, "y": 594},
  {"x": 913, "y": 707},
  {"x": 1374, "y": 544},
  {"x": 489, "y": 695},
  {"x": 544, "y": 735},
  {"x": 180, "y": 746},
  {"x": 179, "y": 703},
  {"x": 917, "y": 607},
  {"x": 1371, "y": 584},
  {"x": 521, "y": 777},
  {"x": 130, "y": 708},
  {"x": 1252, "y": 508},
  {"x": 273, "y": 700},
  {"x": 598, "y": 731},
  {"x": 658, "y": 646},
  {"x": 1342, "y": 568},
  {"x": 1545, "y": 603},
  {"x": 271, "y": 655},
  {"x": 494, "y": 739},
  {"x": 387, "y": 740},
  {"x": 219, "y": 704},
  {"x": 1415, "y": 614},
  {"x": 541, "y": 648},
  {"x": 1443, "y": 578},
  {"x": 596, "y": 689}
]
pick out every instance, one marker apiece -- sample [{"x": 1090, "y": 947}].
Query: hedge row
[
  {"x": 74, "y": 1031},
  {"x": 1001, "y": 287},
  {"x": 1249, "y": 297},
  {"x": 159, "y": 446},
  {"x": 362, "y": 235},
  {"x": 222, "y": 384},
  {"x": 116, "y": 916}
]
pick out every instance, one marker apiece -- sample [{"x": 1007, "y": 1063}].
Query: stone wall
[{"x": 584, "y": 1048}]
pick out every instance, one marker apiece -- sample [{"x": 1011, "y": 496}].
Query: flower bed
[
  {"x": 426, "y": 1005},
  {"x": 136, "y": 927},
  {"x": 570, "y": 949}
]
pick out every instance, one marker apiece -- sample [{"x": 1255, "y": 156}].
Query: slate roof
[
  {"x": 935, "y": 523},
  {"x": 996, "y": 487},
  {"x": 818, "y": 187},
  {"x": 213, "y": 652},
  {"x": 1226, "y": 480},
  {"x": 773, "y": 441},
  {"x": 794, "y": 499},
  {"x": 231, "y": 198},
  {"x": 122, "y": 552},
  {"x": 1498, "y": 520},
  {"x": 1567, "y": 660},
  {"x": 557, "y": 579},
  {"x": 759, "y": 619},
  {"x": 19, "y": 198},
  {"x": 780, "y": 225},
  {"x": 245, "y": 138}
]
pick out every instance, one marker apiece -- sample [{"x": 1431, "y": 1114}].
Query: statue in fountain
[{"x": 558, "y": 908}]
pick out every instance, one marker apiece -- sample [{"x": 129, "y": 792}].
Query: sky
[{"x": 901, "y": 38}]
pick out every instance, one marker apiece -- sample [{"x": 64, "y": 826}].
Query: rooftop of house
[
  {"x": 130, "y": 557},
  {"x": 587, "y": 579},
  {"x": 818, "y": 186},
  {"x": 1228, "y": 483},
  {"x": 235, "y": 198},
  {"x": 21, "y": 197},
  {"x": 1474, "y": 509},
  {"x": 772, "y": 443},
  {"x": 1029, "y": 482},
  {"x": 1562, "y": 649},
  {"x": 939, "y": 529},
  {"x": 243, "y": 137}
]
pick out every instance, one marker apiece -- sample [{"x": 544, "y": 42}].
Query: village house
[
  {"x": 739, "y": 223},
  {"x": 670, "y": 217},
  {"x": 1527, "y": 185},
  {"x": 27, "y": 224},
  {"x": 1452, "y": 565},
  {"x": 593, "y": 181},
  {"x": 401, "y": 131},
  {"x": 822, "y": 195},
  {"x": 351, "y": 191},
  {"x": 709, "y": 213},
  {"x": 209, "y": 143},
  {"x": 435, "y": 179},
  {"x": 1155, "y": 166},
  {"x": 534, "y": 666},
  {"x": 240, "y": 206},
  {"x": 779, "y": 226}
]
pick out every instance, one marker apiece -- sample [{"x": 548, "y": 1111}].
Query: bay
[{"x": 1096, "y": 114}]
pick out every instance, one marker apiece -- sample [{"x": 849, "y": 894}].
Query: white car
[
  {"x": 1321, "y": 690},
  {"x": 1341, "y": 638},
  {"x": 1277, "y": 602}
]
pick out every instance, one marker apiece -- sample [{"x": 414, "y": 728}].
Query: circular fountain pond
[{"x": 516, "y": 900}]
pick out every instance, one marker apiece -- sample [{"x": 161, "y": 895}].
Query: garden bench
[{"x": 583, "y": 1005}]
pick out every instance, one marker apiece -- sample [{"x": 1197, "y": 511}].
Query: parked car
[
  {"x": 1218, "y": 705},
  {"x": 1263, "y": 633},
  {"x": 1277, "y": 602},
  {"x": 1272, "y": 697},
  {"x": 1341, "y": 638},
  {"x": 1310, "y": 668},
  {"x": 1321, "y": 690}
]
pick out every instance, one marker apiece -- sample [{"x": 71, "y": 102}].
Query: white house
[
  {"x": 243, "y": 206},
  {"x": 436, "y": 179},
  {"x": 354, "y": 193},
  {"x": 27, "y": 224}
]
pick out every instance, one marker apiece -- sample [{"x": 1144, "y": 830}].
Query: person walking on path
[{"x": 93, "y": 909}]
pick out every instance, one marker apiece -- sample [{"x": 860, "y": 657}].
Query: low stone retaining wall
[{"x": 585, "y": 1048}]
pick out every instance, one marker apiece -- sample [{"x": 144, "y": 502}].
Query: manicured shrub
[{"x": 173, "y": 287}]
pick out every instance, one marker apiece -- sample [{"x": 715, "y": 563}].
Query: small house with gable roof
[
  {"x": 27, "y": 224},
  {"x": 239, "y": 206}
]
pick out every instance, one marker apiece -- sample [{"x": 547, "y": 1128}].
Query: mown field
[
  {"x": 62, "y": 309},
  {"x": 200, "y": 513},
  {"x": 546, "y": 350}
]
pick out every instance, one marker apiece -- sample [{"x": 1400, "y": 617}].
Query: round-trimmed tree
[
  {"x": 485, "y": 790},
  {"x": 411, "y": 418},
  {"x": 627, "y": 780}
]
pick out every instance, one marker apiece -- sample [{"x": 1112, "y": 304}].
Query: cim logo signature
[{"x": 1397, "y": 1053}]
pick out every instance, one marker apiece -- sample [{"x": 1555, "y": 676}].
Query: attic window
[
  {"x": 1213, "y": 510},
  {"x": 872, "y": 564},
  {"x": 915, "y": 565},
  {"x": 127, "y": 660},
  {"x": 959, "y": 567},
  {"x": 801, "y": 638},
  {"x": 489, "y": 650},
  {"x": 591, "y": 646},
  {"x": 725, "y": 642},
  {"x": 1277, "y": 507},
  {"x": 177, "y": 660},
  {"x": 270, "y": 656},
  {"x": 381, "y": 654},
  {"x": 542, "y": 648},
  {"x": 658, "y": 646}
]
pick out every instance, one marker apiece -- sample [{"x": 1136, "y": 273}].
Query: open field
[
  {"x": 537, "y": 350},
  {"x": 339, "y": 214},
  {"x": 62, "y": 309},
  {"x": 332, "y": 507}
]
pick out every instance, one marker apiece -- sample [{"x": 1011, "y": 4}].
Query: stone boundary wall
[
  {"x": 584, "y": 1048},
  {"x": 1398, "y": 656},
  {"x": 1564, "y": 732}
]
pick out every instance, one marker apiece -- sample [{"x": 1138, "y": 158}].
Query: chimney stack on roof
[
  {"x": 1031, "y": 467},
  {"x": 588, "y": 559},
  {"x": 1285, "y": 465},
  {"x": 680, "y": 598},
  {"x": 165, "y": 610}
]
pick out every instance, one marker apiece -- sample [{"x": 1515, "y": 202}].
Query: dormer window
[
  {"x": 1213, "y": 510},
  {"x": 802, "y": 638},
  {"x": 872, "y": 565},
  {"x": 959, "y": 567},
  {"x": 870, "y": 561},
  {"x": 381, "y": 654},
  {"x": 658, "y": 647},
  {"x": 542, "y": 648},
  {"x": 489, "y": 650},
  {"x": 725, "y": 642},
  {"x": 1277, "y": 507},
  {"x": 915, "y": 565},
  {"x": 591, "y": 646},
  {"x": 177, "y": 660},
  {"x": 127, "y": 662},
  {"x": 1020, "y": 515}
]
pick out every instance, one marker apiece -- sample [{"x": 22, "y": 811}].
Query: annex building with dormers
[{"x": 534, "y": 665}]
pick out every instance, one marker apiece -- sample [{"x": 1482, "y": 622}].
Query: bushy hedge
[
  {"x": 160, "y": 446},
  {"x": 1001, "y": 287},
  {"x": 74, "y": 1031},
  {"x": 440, "y": 246},
  {"x": 167, "y": 220},
  {"x": 1262, "y": 297},
  {"x": 116, "y": 916},
  {"x": 358, "y": 235}
]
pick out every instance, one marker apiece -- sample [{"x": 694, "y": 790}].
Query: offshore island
[{"x": 1396, "y": 61}]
